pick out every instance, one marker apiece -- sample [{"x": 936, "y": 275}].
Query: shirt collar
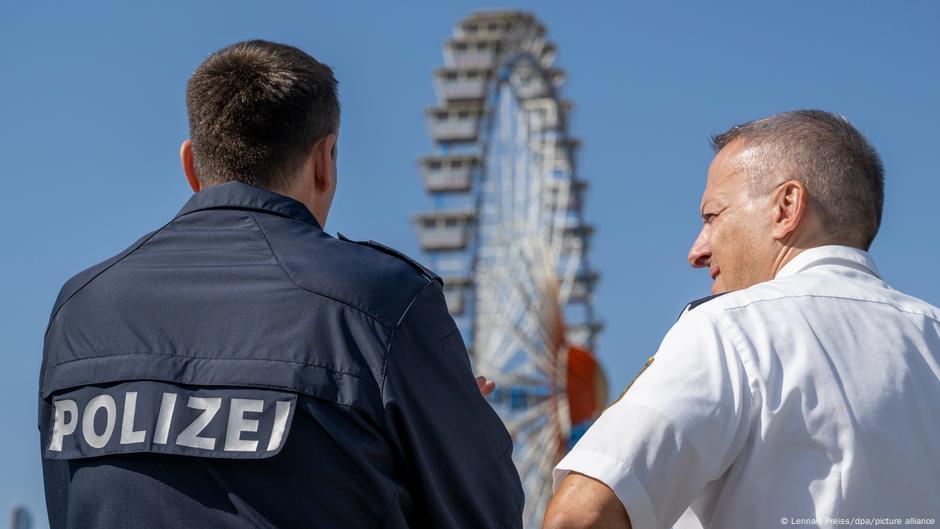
[
  {"x": 237, "y": 195},
  {"x": 830, "y": 255}
]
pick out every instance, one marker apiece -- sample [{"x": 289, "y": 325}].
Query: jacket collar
[
  {"x": 830, "y": 255},
  {"x": 236, "y": 195}
]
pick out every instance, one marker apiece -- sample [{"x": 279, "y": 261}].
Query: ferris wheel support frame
[{"x": 507, "y": 231}]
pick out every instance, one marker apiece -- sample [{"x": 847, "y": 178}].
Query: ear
[
  {"x": 189, "y": 167},
  {"x": 324, "y": 160},
  {"x": 790, "y": 202}
]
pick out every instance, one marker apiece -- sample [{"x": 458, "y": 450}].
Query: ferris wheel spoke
[
  {"x": 537, "y": 502},
  {"x": 543, "y": 300},
  {"x": 570, "y": 276},
  {"x": 520, "y": 423},
  {"x": 541, "y": 448},
  {"x": 523, "y": 379},
  {"x": 515, "y": 341},
  {"x": 548, "y": 326},
  {"x": 538, "y": 353}
]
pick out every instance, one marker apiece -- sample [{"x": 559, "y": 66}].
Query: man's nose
[{"x": 700, "y": 253}]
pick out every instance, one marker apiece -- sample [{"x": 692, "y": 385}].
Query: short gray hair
[{"x": 842, "y": 172}]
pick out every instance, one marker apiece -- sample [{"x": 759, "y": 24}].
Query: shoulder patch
[
  {"x": 423, "y": 270},
  {"x": 649, "y": 362},
  {"x": 166, "y": 418}
]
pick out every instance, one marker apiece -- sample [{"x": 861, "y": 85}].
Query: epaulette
[
  {"x": 692, "y": 304},
  {"x": 423, "y": 270},
  {"x": 689, "y": 306}
]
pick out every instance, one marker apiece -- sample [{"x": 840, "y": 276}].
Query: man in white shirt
[{"x": 809, "y": 393}]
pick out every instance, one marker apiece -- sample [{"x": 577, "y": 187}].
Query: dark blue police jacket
[{"x": 241, "y": 368}]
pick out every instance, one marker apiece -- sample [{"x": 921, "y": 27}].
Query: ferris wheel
[{"x": 507, "y": 233}]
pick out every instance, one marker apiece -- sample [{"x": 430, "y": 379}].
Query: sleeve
[
  {"x": 677, "y": 428},
  {"x": 456, "y": 449},
  {"x": 55, "y": 474}
]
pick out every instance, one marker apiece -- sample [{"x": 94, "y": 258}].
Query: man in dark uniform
[{"x": 239, "y": 367}]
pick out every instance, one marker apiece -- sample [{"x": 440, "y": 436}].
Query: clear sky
[{"x": 92, "y": 114}]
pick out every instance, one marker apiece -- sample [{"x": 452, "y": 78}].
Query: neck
[
  {"x": 791, "y": 248},
  {"x": 784, "y": 256},
  {"x": 809, "y": 233},
  {"x": 303, "y": 189}
]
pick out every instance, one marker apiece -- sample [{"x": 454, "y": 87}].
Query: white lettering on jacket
[{"x": 93, "y": 423}]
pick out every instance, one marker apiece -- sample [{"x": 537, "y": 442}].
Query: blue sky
[{"x": 92, "y": 114}]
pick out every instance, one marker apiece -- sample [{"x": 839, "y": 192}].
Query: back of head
[
  {"x": 842, "y": 172},
  {"x": 255, "y": 108}
]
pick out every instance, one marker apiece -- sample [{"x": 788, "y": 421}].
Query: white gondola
[
  {"x": 444, "y": 230},
  {"x": 566, "y": 194},
  {"x": 558, "y": 155},
  {"x": 461, "y": 84},
  {"x": 449, "y": 173},
  {"x": 472, "y": 52},
  {"x": 547, "y": 113},
  {"x": 455, "y": 123},
  {"x": 456, "y": 291},
  {"x": 498, "y": 24}
]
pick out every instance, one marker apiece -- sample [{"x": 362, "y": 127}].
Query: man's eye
[{"x": 709, "y": 217}]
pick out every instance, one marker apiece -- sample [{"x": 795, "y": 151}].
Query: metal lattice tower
[{"x": 506, "y": 230}]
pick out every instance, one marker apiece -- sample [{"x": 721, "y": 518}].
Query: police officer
[
  {"x": 239, "y": 367},
  {"x": 807, "y": 394}
]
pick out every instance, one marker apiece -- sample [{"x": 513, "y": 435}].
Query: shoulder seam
[
  {"x": 789, "y": 296},
  {"x": 737, "y": 341},
  {"x": 424, "y": 271},
  {"x": 391, "y": 337},
  {"x": 126, "y": 253},
  {"x": 310, "y": 290},
  {"x": 750, "y": 372},
  {"x": 739, "y": 346}
]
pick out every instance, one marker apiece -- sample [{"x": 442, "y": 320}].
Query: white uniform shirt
[{"x": 806, "y": 400}]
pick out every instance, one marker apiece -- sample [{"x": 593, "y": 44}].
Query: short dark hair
[
  {"x": 842, "y": 172},
  {"x": 255, "y": 109}
]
